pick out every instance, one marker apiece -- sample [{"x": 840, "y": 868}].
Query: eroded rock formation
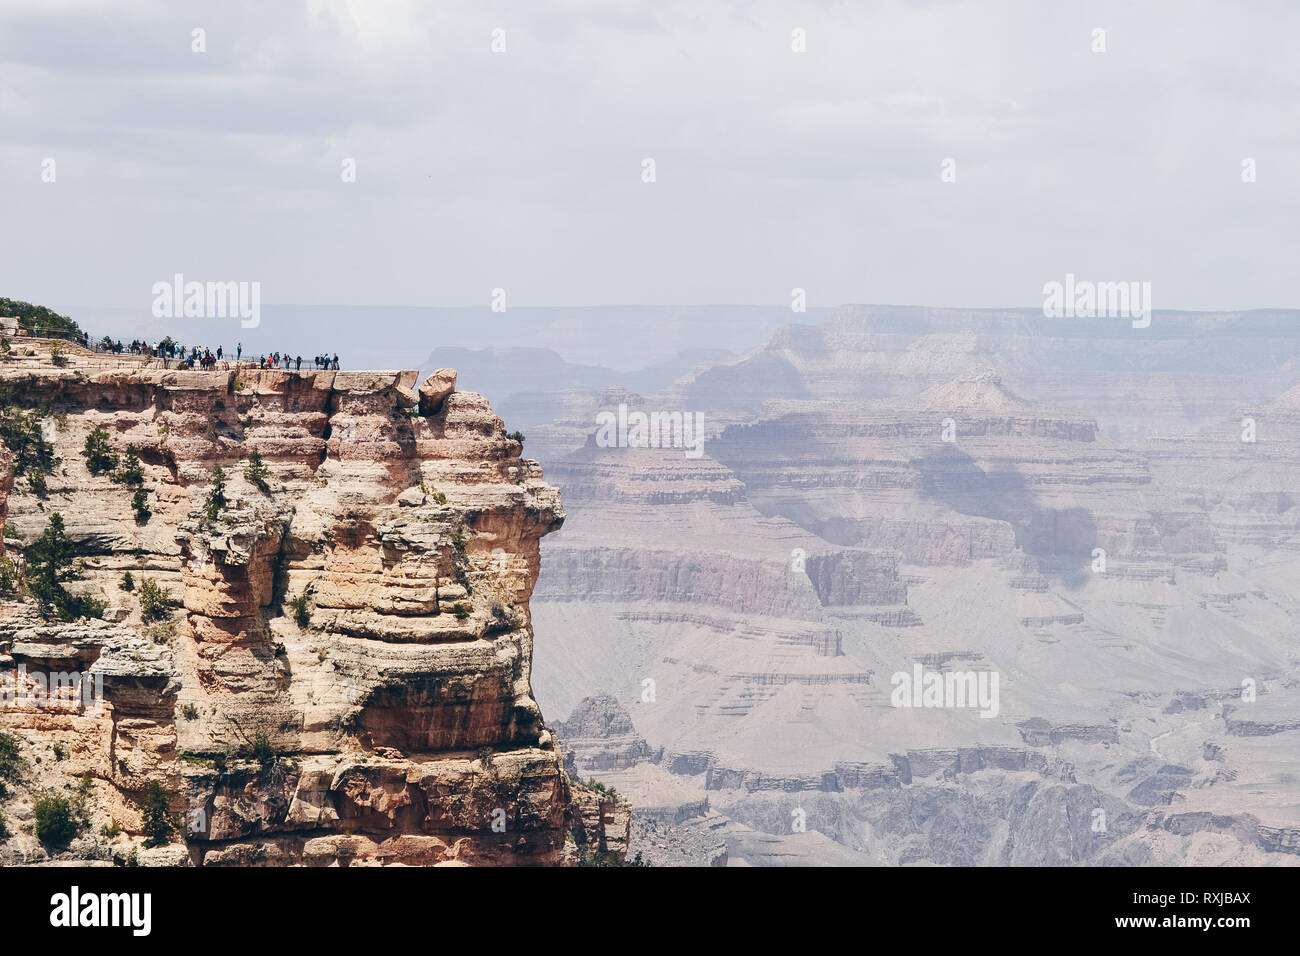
[
  {"x": 342, "y": 675},
  {"x": 1107, "y": 523}
]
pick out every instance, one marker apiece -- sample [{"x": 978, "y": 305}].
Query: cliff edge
[{"x": 315, "y": 642}]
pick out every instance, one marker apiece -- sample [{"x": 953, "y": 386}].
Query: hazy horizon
[{"x": 951, "y": 153}]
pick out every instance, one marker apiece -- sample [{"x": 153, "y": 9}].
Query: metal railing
[{"x": 88, "y": 342}]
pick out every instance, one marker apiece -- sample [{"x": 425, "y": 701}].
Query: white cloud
[{"x": 522, "y": 170}]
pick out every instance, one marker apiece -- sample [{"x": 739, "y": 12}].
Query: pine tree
[
  {"x": 130, "y": 472},
  {"x": 216, "y": 502},
  {"x": 256, "y": 472},
  {"x": 50, "y": 562},
  {"x": 98, "y": 452}
]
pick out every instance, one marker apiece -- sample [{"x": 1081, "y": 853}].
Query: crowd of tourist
[
  {"x": 206, "y": 358},
  {"x": 276, "y": 359}
]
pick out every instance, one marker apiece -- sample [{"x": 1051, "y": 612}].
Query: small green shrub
[
  {"x": 36, "y": 483},
  {"x": 91, "y": 608},
  {"x": 516, "y": 436},
  {"x": 301, "y": 610},
  {"x": 130, "y": 472},
  {"x": 159, "y": 822},
  {"x": 10, "y": 582},
  {"x": 460, "y": 611},
  {"x": 439, "y": 497},
  {"x": 58, "y": 354},
  {"x": 128, "y": 582},
  {"x": 12, "y": 764},
  {"x": 98, "y": 453},
  {"x": 262, "y": 750},
  {"x": 140, "y": 502},
  {"x": 458, "y": 539},
  {"x": 190, "y": 712},
  {"x": 154, "y": 600},
  {"x": 56, "y": 824},
  {"x": 163, "y": 632},
  {"x": 59, "y": 751}
]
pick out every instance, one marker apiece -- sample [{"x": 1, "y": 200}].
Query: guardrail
[
  {"x": 86, "y": 341},
  {"x": 80, "y": 338}
]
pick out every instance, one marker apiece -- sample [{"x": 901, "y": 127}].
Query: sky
[{"x": 774, "y": 169}]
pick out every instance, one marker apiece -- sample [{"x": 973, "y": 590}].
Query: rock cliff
[{"x": 323, "y": 659}]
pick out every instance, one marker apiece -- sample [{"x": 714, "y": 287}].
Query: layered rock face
[
  {"x": 1103, "y": 520},
  {"x": 963, "y": 471},
  {"x": 599, "y": 736},
  {"x": 1183, "y": 372},
  {"x": 343, "y": 675},
  {"x": 672, "y": 585}
]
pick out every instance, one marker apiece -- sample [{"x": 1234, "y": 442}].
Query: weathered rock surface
[
  {"x": 342, "y": 675},
  {"x": 599, "y": 735},
  {"x": 1105, "y": 520}
]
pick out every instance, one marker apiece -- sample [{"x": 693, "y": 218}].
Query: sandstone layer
[{"x": 342, "y": 673}]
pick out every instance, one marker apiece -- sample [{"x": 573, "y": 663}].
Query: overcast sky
[{"x": 775, "y": 169}]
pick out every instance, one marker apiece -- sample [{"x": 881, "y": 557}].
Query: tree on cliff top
[{"x": 31, "y": 316}]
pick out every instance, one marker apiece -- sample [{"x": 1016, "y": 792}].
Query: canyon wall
[
  {"x": 341, "y": 670},
  {"x": 1102, "y": 519}
]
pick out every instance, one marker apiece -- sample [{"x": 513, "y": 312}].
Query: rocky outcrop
[
  {"x": 600, "y": 825},
  {"x": 599, "y": 735},
  {"x": 339, "y": 671},
  {"x": 435, "y": 390}
]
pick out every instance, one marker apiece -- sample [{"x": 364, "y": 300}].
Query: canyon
[
  {"x": 1066, "y": 503},
  {"x": 352, "y": 663}
]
